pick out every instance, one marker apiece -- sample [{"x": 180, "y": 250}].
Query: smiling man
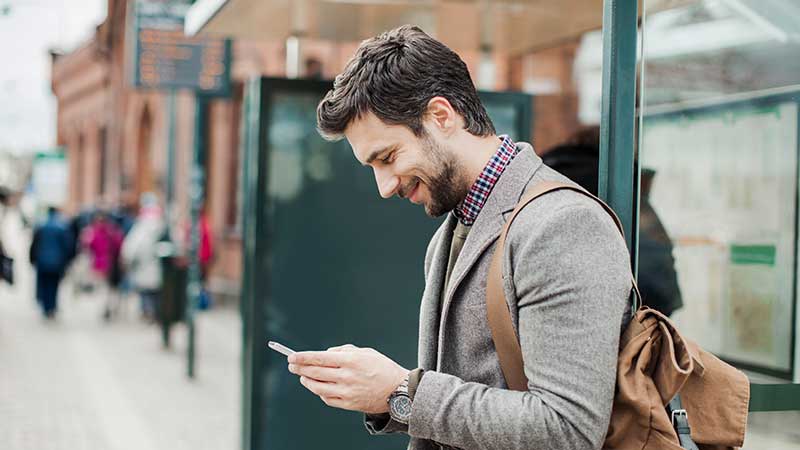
[{"x": 408, "y": 108}]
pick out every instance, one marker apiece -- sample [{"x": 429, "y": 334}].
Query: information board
[
  {"x": 50, "y": 178},
  {"x": 726, "y": 190},
  {"x": 165, "y": 58}
]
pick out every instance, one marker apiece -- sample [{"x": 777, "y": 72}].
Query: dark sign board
[{"x": 165, "y": 58}]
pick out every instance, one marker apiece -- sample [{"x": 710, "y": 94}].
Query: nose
[{"x": 387, "y": 182}]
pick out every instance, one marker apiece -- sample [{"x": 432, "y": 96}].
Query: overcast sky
[{"x": 27, "y": 31}]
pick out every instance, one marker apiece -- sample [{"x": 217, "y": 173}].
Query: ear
[{"x": 442, "y": 115}]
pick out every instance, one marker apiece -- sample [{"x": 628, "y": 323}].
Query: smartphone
[{"x": 280, "y": 348}]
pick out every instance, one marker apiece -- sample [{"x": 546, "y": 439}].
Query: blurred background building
[{"x": 116, "y": 137}]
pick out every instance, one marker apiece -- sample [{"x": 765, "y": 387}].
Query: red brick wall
[{"x": 556, "y": 108}]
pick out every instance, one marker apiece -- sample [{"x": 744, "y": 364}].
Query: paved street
[{"x": 79, "y": 383}]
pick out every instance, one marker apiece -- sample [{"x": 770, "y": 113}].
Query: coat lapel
[
  {"x": 431, "y": 297},
  {"x": 489, "y": 223}
]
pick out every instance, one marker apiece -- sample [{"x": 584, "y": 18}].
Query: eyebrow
[{"x": 374, "y": 155}]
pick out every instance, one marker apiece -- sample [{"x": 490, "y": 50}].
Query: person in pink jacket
[{"x": 103, "y": 240}]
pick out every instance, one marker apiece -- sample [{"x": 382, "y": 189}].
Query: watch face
[{"x": 400, "y": 407}]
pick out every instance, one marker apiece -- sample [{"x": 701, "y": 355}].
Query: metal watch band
[{"x": 400, "y": 403}]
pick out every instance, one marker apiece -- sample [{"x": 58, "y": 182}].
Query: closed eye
[
  {"x": 388, "y": 159},
  {"x": 384, "y": 155}
]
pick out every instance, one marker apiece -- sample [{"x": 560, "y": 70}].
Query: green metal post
[
  {"x": 193, "y": 286},
  {"x": 616, "y": 171},
  {"x": 252, "y": 306},
  {"x": 170, "y": 188},
  {"x": 170, "y": 149}
]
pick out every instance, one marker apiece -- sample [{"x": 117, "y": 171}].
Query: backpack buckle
[{"x": 677, "y": 414}]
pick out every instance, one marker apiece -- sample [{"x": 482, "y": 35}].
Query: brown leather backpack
[{"x": 655, "y": 364}]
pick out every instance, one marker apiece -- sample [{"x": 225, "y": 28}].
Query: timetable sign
[{"x": 165, "y": 58}]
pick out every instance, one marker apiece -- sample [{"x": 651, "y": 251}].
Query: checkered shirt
[{"x": 467, "y": 211}]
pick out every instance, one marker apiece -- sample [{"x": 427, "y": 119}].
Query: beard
[{"x": 444, "y": 182}]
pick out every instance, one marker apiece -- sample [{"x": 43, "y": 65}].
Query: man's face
[{"x": 417, "y": 168}]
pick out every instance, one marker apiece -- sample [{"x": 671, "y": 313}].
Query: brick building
[{"x": 116, "y": 137}]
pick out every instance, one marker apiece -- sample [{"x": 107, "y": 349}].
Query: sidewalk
[{"x": 80, "y": 383}]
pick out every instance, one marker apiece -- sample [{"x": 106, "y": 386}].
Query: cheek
[
  {"x": 406, "y": 173},
  {"x": 419, "y": 170}
]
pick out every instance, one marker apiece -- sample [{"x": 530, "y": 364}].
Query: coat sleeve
[
  {"x": 383, "y": 424},
  {"x": 571, "y": 279}
]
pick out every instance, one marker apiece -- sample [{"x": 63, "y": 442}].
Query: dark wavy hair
[{"x": 394, "y": 76}]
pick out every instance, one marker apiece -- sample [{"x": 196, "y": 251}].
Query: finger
[
  {"x": 340, "y": 348},
  {"x": 319, "y": 373},
  {"x": 325, "y": 359},
  {"x": 320, "y": 388}
]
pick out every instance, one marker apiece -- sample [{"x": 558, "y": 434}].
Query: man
[
  {"x": 411, "y": 113},
  {"x": 50, "y": 254}
]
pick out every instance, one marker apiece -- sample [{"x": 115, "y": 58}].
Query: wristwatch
[{"x": 400, "y": 403}]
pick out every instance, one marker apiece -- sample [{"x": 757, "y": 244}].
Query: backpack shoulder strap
[{"x": 504, "y": 335}]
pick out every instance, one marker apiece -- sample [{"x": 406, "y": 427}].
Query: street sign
[
  {"x": 165, "y": 58},
  {"x": 50, "y": 177}
]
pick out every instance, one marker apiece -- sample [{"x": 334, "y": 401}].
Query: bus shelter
[{"x": 692, "y": 127}]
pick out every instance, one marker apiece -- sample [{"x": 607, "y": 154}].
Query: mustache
[{"x": 405, "y": 190}]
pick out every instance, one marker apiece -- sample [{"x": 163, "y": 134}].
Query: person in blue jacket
[{"x": 50, "y": 254}]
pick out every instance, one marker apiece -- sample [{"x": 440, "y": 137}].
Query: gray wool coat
[{"x": 567, "y": 280}]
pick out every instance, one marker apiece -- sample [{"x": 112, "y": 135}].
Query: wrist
[{"x": 402, "y": 377}]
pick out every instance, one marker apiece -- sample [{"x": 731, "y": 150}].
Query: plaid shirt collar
[{"x": 467, "y": 211}]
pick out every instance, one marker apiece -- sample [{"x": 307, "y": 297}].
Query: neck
[{"x": 480, "y": 150}]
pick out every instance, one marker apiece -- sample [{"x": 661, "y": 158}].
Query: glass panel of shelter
[{"x": 718, "y": 158}]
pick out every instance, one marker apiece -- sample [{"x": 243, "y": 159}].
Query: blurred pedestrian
[
  {"x": 206, "y": 250},
  {"x": 124, "y": 215},
  {"x": 6, "y": 265},
  {"x": 6, "y": 262},
  {"x": 49, "y": 254},
  {"x": 103, "y": 240},
  {"x": 79, "y": 271},
  {"x": 205, "y": 256},
  {"x": 140, "y": 258},
  {"x": 76, "y": 225}
]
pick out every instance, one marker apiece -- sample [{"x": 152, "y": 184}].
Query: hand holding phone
[{"x": 280, "y": 348}]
